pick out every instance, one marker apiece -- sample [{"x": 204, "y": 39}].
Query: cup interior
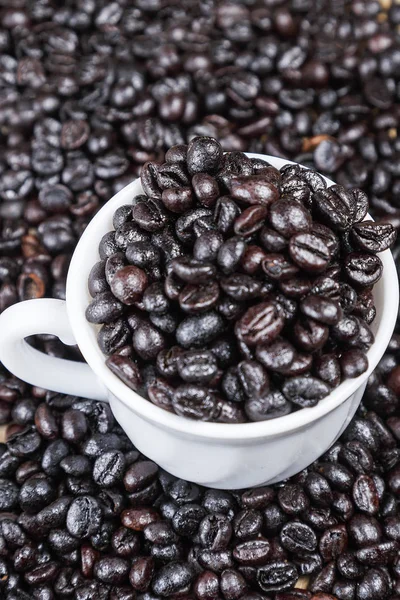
[{"x": 386, "y": 296}]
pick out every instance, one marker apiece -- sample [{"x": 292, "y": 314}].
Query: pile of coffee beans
[
  {"x": 90, "y": 91},
  {"x": 85, "y": 517},
  {"x": 225, "y": 243}
]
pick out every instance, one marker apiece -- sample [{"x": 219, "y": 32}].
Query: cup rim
[{"x": 77, "y": 298}]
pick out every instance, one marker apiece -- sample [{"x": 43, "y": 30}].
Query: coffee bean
[
  {"x": 298, "y": 537},
  {"x": 276, "y": 576},
  {"x": 108, "y": 468},
  {"x": 268, "y": 406},
  {"x": 321, "y": 309},
  {"x": 199, "y": 329},
  {"x": 278, "y": 267},
  {"x": 197, "y": 366},
  {"x": 353, "y": 363},
  {"x": 195, "y": 402},
  {"x": 288, "y": 218},
  {"x": 305, "y": 391},
  {"x": 252, "y": 553},
  {"x": 253, "y": 190},
  {"x": 363, "y": 269},
  {"x": 309, "y": 251},
  {"x": 84, "y": 517},
  {"x": 336, "y": 207},
  {"x": 204, "y": 155},
  {"x": 111, "y": 569},
  {"x": 292, "y": 499},
  {"x": 333, "y": 542},
  {"x": 373, "y": 237},
  {"x": 261, "y": 323},
  {"x": 126, "y": 370},
  {"x": 250, "y": 220},
  {"x": 104, "y": 308},
  {"x": 128, "y": 284}
]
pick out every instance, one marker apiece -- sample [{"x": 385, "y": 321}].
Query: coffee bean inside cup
[{"x": 226, "y": 249}]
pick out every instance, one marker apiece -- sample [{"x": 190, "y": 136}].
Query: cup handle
[{"x": 57, "y": 374}]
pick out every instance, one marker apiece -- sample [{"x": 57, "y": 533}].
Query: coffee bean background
[{"x": 90, "y": 91}]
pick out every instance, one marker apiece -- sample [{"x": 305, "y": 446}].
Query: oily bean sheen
[
  {"x": 310, "y": 252},
  {"x": 222, "y": 245}
]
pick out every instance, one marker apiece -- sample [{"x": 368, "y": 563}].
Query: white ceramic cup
[{"x": 212, "y": 454}]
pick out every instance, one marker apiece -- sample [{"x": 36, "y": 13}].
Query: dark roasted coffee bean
[
  {"x": 207, "y": 245},
  {"x": 126, "y": 370},
  {"x": 35, "y": 494},
  {"x": 289, "y": 217},
  {"x": 232, "y": 584},
  {"x": 250, "y": 220},
  {"x": 276, "y": 356},
  {"x": 260, "y": 324},
  {"x": 333, "y": 542},
  {"x": 305, "y": 391},
  {"x": 215, "y": 532},
  {"x": 9, "y": 495},
  {"x": 241, "y": 287},
  {"x": 276, "y": 576},
  {"x": 278, "y": 267},
  {"x": 108, "y": 469},
  {"x": 318, "y": 488},
  {"x": 353, "y": 363},
  {"x": 253, "y": 378},
  {"x": 253, "y": 190},
  {"x": 253, "y": 552},
  {"x": 128, "y": 284},
  {"x": 104, "y": 308},
  {"x": 267, "y": 406},
  {"x": 148, "y": 179},
  {"x": 338, "y": 475},
  {"x": 192, "y": 271},
  {"x": 365, "y": 495},
  {"x": 272, "y": 240},
  {"x": 321, "y": 309},
  {"x": 230, "y": 254},
  {"x": 373, "y": 237},
  {"x": 113, "y": 336},
  {"x": 363, "y": 269},
  {"x": 205, "y": 188},
  {"x": 196, "y": 298},
  {"x": 292, "y": 499},
  {"x": 298, "y": 537},
  {"x": 141, "y": 573},
  {"x": 365, "y": 530},
  {"x": 374, "y": 585},
  {"x": 195, "y": 402},
  {"x": 197, "y": 366},
  {"x": 378, "y": 554},
  {"x": 247, "y": 524},
  {"x": 147, "y": 341},
  {"x": 336, "y": 207},
  {"x": 357, "y": 457},
  {"x": 140, "y": 475},
  {"x": 199, "y": 329},
  {"x": 204, "y": 155},
  {"x": 309, "y": 251},
  {"x": 309, "y": 335},
  {"x": 111, "y": 569},
  {"x": 226, "y": 212}
]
